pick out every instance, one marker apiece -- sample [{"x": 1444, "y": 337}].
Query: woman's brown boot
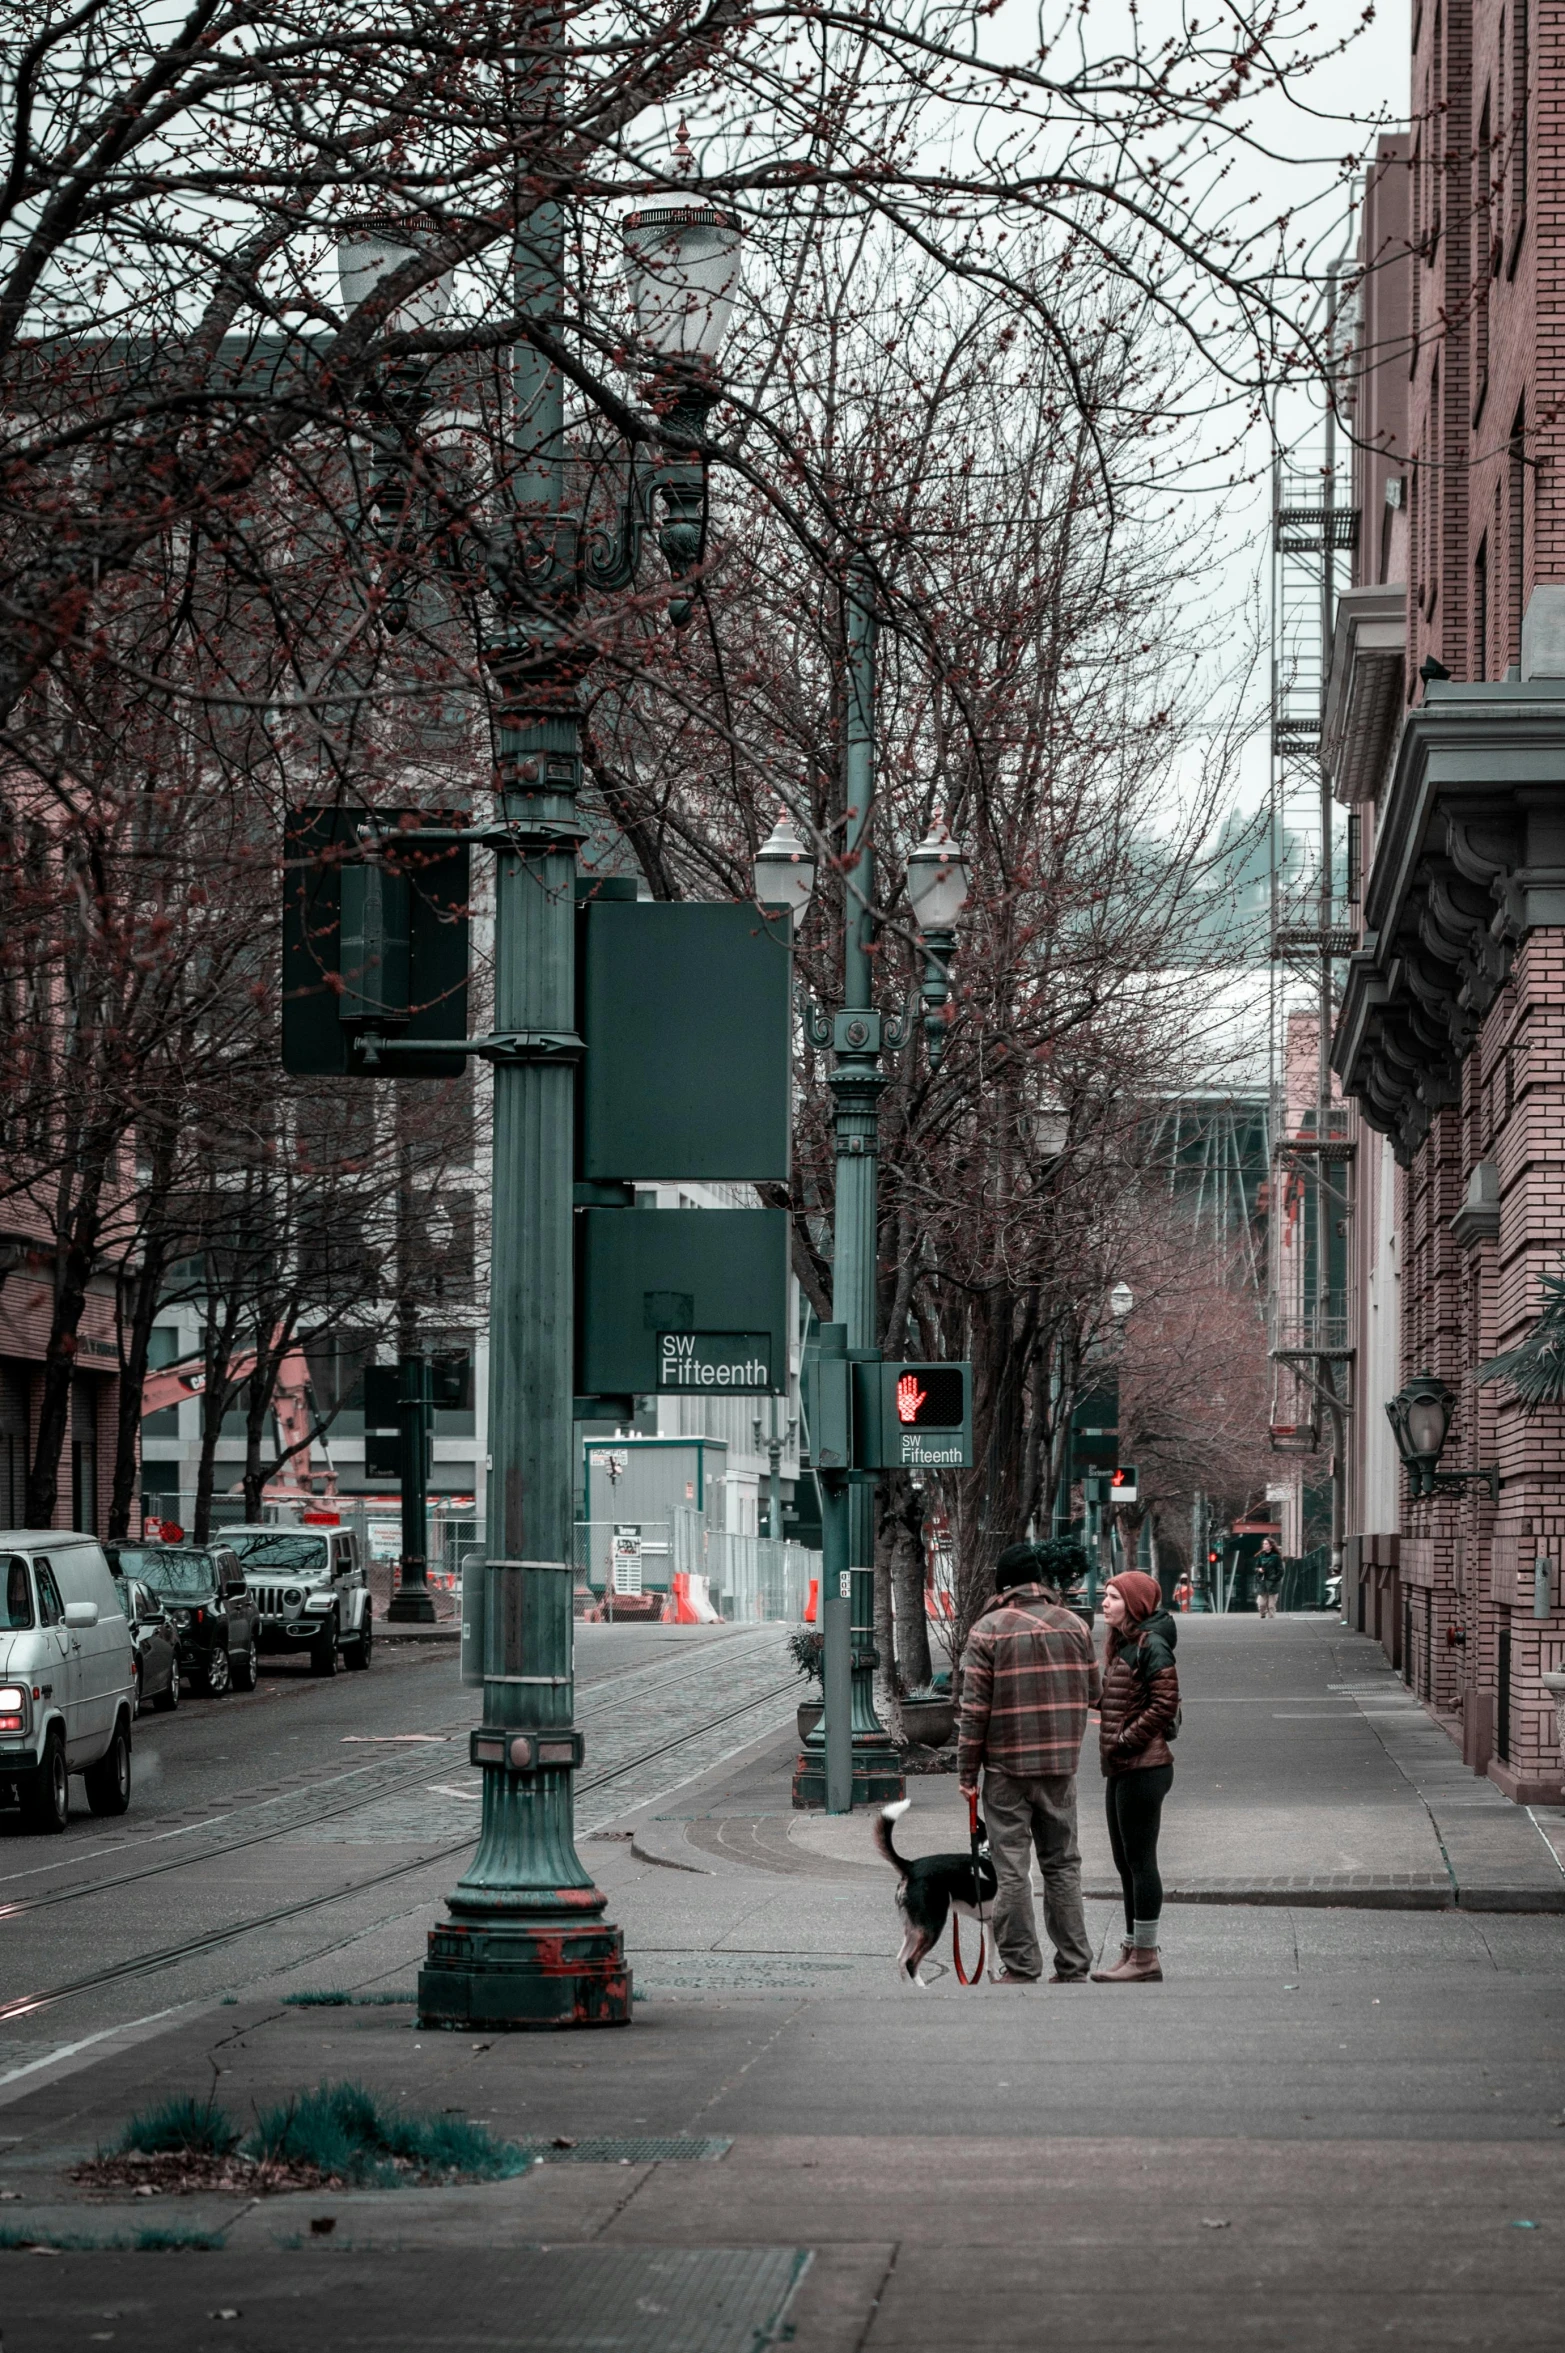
[{"x": 1138, "y": 1965}]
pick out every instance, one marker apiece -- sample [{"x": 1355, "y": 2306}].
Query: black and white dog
[{"x": 927, "y": 1888}]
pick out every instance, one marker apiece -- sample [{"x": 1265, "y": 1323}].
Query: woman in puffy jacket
[{"x": 1140, "y": 1710}]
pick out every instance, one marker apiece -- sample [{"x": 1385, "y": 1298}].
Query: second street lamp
[{"x": 829, "y": 1774}]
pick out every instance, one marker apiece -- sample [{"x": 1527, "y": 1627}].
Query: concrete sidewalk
[
  {"x": 1307, "y": 1775},
  {"x": 1332, "y": 2126}
]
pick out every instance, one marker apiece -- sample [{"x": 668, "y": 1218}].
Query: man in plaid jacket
[{"x": 1029, "y": 1676}]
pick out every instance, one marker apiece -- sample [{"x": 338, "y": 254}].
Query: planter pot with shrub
[{"x": 929, "y": 1718}]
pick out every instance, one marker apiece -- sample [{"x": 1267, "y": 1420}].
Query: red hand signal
[{"x": 909, "y": 1397}]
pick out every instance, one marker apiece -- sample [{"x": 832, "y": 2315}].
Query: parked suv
[
  {"x": 312, "y": 1592},
  {"x": 204, "y": 1591},
  {"x": 67, "y": 1677}
]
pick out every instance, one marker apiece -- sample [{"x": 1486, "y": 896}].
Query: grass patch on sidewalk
[
  {"x": 182, "y": 2127},
  {"x": 141, "y": 2242},
  {"x": 338, "y": 2136},
  {"x": 345, "y": 2134},
  {"x": 333, "y": 1997}
]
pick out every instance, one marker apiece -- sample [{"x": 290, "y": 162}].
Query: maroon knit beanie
[{"x": 1142, "y": 1595}]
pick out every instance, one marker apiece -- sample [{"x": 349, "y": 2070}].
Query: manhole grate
[{"x": 633, "y": 2149}]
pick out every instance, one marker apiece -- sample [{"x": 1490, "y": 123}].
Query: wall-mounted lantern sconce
[{"x": 1420, "y": 1417}]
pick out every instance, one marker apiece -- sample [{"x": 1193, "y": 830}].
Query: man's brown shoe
[
  {"x": 1012, "y": 1977},
  {"x": 1069, "y": 1977},
  {"x": 1140, "y": 1966}
]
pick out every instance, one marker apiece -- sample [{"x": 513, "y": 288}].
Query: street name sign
[
  {"x": 715, "y": 1278},
  {"x": 715, "y": 1360}
]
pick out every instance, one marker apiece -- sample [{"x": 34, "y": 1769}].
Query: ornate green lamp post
[
  {"x": 858, "y": 1033},
  {"x": 526, "y": 1943}
]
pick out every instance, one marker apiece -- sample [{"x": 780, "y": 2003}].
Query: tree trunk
[
  {"x": 888, "y": 1693},
  {"x": 905, "y": 1518},
  {"x": 136, "y": 1342},
  {"x": 257, "y": 1400},
  {"x": 73, "y": 1271},
  {"x": 221, "y": 1331}
]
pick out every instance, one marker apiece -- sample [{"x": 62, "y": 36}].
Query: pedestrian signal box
[
  {"x": 1124, "y": 1484},
  {"x": 910, "y": 1417}
]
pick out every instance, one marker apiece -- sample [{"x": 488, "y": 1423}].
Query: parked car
[
  {"x": 215, "y": 1620},
  {"x": 67, "y": 1677},
  {"x": 312, "y": 1592},
  {"x": 155, "y": 1638}
]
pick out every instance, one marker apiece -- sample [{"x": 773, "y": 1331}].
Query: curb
[{"x": 1323, "y": 1894}]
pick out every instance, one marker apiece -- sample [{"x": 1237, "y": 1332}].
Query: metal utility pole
[
  {"x": 412, "y": 1603},
  {"x": 775, "y": 1444},
  {"x": 1328, "y": 1195}
]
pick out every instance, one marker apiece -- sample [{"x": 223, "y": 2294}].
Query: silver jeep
[{"x": 310, "y": 1588}]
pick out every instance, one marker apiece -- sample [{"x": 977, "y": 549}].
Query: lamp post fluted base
[
  {"x": 877, "y": 1772},
  {"x": 520, "y": 1976},
  {"x": 411, "y": 1605}
]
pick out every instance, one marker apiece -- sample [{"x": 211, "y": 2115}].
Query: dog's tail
[{"x": 883, "y": 1822}]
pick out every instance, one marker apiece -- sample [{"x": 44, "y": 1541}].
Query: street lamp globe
[
  {"x": 1427, "y": 1421},
  {"x": 369, "y": 248},
  {"x": 1121, "y": 1300},
  {"x": 682, "y": 267},
  {"x": 1050, "y": 1128},
  {"x": 937, "y": 879},
  {"x": 785, "y": 869}
]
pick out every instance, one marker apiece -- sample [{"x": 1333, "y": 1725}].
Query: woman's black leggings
[{"x": 1135, "y": 1808}]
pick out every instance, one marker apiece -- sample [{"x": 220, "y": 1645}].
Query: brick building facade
[
  {"x": 1451, "y": 1035},
  {"x": 86, "y": 1471}
]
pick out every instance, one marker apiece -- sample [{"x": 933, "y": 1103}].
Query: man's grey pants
[{"x": 1020, "y": 1817}]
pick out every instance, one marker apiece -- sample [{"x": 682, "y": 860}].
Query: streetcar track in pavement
[
  {"x": 142, "y": 1964},
  {"x": 307, "y": 1812}
]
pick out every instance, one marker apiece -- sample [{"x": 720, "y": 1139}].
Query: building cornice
[{"x": 1469, "y": 857}]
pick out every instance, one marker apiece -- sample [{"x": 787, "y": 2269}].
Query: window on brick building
[
  {"x": 1481, "y": 609},
  {"x": 1519, "y": 156},
  {"x": 1516, "y": 502},
  {"x": 1481, "y": 257}
]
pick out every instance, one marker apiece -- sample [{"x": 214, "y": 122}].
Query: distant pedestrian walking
[
  {"x": 1140, "y": 1715},
  {"x": 1029, "y": 1676},
  {"x": 1269, "y": 1566}
]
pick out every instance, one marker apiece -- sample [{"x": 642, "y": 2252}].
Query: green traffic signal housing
[{"x": 375, "y": 945}]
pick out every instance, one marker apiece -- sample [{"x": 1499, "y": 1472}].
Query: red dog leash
[{"x": 978, "y": 1903}]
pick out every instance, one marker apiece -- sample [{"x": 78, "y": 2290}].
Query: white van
[{"x": 67, "y": 1676}]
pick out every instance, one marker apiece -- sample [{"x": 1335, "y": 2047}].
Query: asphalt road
[{"x": 275, "y": 1828}]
